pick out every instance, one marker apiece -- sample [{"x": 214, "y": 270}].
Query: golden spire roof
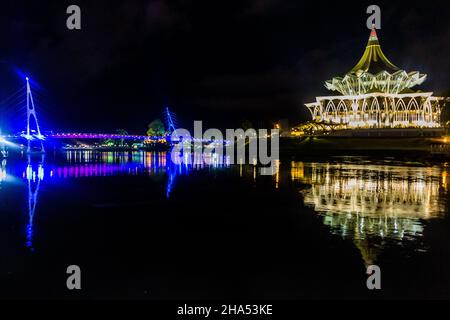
[
  {"x": 373, "y": 59},
  {"x": 375, "y": 73}
]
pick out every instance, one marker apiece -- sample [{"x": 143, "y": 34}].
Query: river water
[{"x": 141, "y": 227}]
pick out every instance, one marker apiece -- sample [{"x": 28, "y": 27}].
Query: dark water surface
[{"x": 142, "y": 228}]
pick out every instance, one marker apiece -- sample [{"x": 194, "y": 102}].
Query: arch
[
  {"x": 400, "y": 111},
  {"x": 330, "y": 111},
  {"x": 413, "y": 110},
  {"x": 376, "y": 104},
  {"x": 413, "y": 105},
  {"x": 331, "y": 105},
  {"x": 342, "y": 106},
  {"x": 342, "y": 112}
]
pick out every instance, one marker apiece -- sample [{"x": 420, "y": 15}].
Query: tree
[
  {"x": 122, "y": 132},
  {"x": 156, "y": 128},
  {"x": 109, "y": 142}
]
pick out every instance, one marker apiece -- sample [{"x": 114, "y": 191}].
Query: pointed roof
[{"x": 373, "y": 59}]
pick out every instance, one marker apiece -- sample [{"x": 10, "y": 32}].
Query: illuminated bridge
[
  {"x": 102, "y": 136},
  {"x": 99, "y": 136},
  {"x": 37, "y": 136},
  {"x": 170, "y": 121}
]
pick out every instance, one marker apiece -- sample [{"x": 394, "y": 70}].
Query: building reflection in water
[{"x": 373, "y": 204}]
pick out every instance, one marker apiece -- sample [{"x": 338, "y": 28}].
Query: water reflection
[
  {"x": 34, "y": 175},
  {"x": 2, "y": 171},
  {"x": 373, "y": 204},
  {"x": 81, "y": 164},
  {"x": 91, "y": 164}
]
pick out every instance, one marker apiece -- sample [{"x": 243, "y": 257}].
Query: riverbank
[{"x": 407, "y": 148}]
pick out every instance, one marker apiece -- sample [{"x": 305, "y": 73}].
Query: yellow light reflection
[{"x": 363, "y": 202}]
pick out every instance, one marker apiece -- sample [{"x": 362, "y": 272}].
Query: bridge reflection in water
[
  {"x": 34, "y": 174},
  {"x": 373, "y": 204},
  {"x": 2, "y": 171},
  {"x": 82, "y": 164},
  {"x": 91, "y": 164}
]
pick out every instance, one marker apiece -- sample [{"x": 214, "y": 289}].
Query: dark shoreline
[{"x": 413, "y": 149}]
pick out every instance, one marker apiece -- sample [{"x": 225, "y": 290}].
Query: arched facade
[
  {"x": 377, "y": 94},
  {"x": 379, "y": 110}
]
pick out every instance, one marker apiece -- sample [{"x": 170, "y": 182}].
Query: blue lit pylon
[
  {"x": 170, "y": 121},
  {"x": 31, "y": 111},
  {"x": 3, "y": 151}
]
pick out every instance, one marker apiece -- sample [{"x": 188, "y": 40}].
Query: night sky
[{"x": 217, "y": 61}]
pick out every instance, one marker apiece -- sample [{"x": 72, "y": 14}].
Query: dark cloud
[
  {"x": 263, "y": 95},
  {"x": 261, "y": 6},
  {"x": 426, "y": 48},
  {"x": 261, "y": 83},
  {"x": 158, "y": 13}
]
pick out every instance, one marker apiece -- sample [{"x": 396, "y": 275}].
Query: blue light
[{"x": 21, "y": 74}]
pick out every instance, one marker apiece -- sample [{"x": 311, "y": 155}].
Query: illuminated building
[{"x": 377, "y": 94}]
